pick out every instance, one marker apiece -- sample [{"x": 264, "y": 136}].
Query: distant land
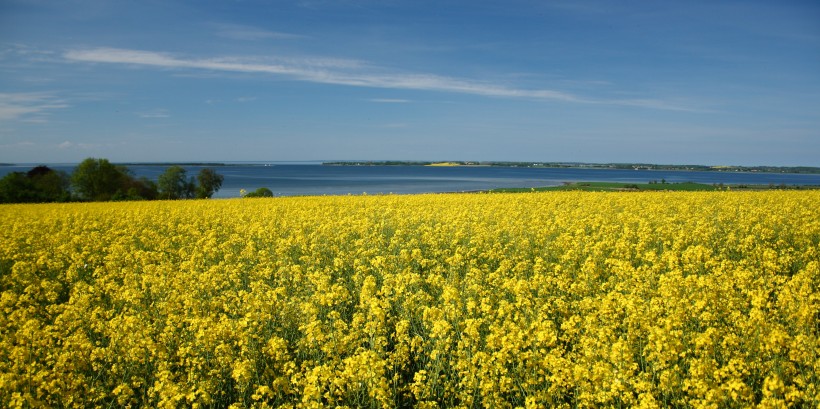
[
  {"x": 635, "y": 166},
  {"x": 627, "y": 166},
  {"x": 214, "y": 164},
  {"x": 151, "y": 164}
]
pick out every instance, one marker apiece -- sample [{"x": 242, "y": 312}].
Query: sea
[{"x": 303, "y": 179}]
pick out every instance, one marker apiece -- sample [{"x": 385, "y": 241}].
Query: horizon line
[{"x": 408, "y": 162}]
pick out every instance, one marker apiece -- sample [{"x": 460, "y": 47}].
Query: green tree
[
  {"x": 99, "y": 179},
  {"x": 209, "y": 183},
  {"x": 138, "y": 189},
  {"x": 261, "y": 192},
  {"x": 38, "y": 185},
  {"x": 15, "y": 188},
  {"x": 144, "y": 188},
  {"x": 50, "y": 185},
  {"x": 172, "y": 184}
]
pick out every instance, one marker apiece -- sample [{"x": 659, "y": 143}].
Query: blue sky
[{"x": 683, "y": 82}]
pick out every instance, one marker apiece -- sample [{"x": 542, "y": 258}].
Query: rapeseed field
[{"x": 565, "y": 299}]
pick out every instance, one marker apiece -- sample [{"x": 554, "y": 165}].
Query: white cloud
[
  {"x": 389, "y": 100},
  {"x": 327, "y": 71},
  {"x": 157, "y": 113},
  {"x": 250, "y": 33},
  {"x": 656, "y": 104},
  {"x": 341, "y": 72},
  {"x": 81, "y": 145},
  {"x": 21, "y": 144},
  {"x": 28, "y": 106},
  {"x": 24, "y": 50}
]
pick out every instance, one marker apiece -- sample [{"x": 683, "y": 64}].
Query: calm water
[{"x": 291, "y": 180}]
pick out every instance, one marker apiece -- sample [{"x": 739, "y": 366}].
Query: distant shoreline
[
  {"x": 546, "y": 165},
  {"x": 579, "y": 165}
]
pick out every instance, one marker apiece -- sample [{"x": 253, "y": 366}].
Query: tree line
[{"x": 100, "y": 180}]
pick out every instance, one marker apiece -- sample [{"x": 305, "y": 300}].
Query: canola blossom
[{"x": 564, "y": 299}]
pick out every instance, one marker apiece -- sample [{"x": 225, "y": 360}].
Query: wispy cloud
[
  {"x": 28, "y": 106},
  {"x": 20, "y": 144},
  {"x": 79, "y": 145},
  {"x": 17, "y": 50},
  {"x": 389, "y": 100},
  {"x": 308, "y": 69},
  {"x": 250, "y": 33},
  {"x": 656, "y": 104},
  {"x": 341, "y": 72},
  {"x": 156, "y": 113},
  {"x": 327, "y": 71}
]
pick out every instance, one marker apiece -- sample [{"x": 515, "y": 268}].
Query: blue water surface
[{"x": 316, "y": 179}]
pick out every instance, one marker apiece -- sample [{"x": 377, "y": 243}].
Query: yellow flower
[{"x": 565, "y": 299}]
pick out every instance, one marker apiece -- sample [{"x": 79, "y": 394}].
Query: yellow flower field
[{"x": 561, "y": 299}]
